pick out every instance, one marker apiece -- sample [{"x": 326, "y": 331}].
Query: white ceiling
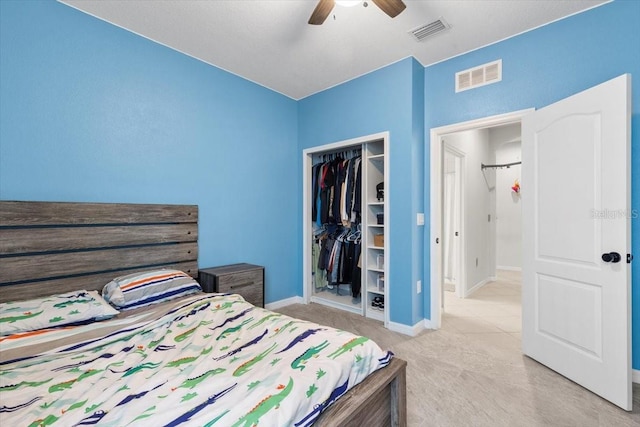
[{"x": 269, "y": 41}]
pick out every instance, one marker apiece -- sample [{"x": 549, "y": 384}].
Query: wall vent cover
[
  {"x": 479, "y": 76},
  {"x": 427, "y": 30}
]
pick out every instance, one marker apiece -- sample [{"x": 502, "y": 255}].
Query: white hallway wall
[{"x": 507, "y": 147}]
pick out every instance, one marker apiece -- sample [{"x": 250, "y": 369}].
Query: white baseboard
[
  {"x": 412, "y": 331},
  {"x": 476, "y": 287},
  {"x": 508, "y": 268},
  {"x": 428, "y": 324},
  {"x": 635, "y": 376},
  {"x": 284, "y": 302}
]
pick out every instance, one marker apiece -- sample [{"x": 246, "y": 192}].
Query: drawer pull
[{"x": 243, "y": 285}]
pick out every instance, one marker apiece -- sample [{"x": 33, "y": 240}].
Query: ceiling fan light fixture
[{"x": 348, "y": 3}]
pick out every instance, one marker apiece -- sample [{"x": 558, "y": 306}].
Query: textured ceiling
[{"x": 269, "y": 41}]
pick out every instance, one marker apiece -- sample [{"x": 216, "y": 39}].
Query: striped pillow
[{"x": 149, "y": 287}]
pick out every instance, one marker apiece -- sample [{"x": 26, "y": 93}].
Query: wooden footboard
[{"x": 380, "y": 400}]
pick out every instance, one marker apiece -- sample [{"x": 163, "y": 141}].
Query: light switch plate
[{"x": 420, "y": 218}]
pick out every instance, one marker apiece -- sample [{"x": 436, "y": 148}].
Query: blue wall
[
  {"x": 544, "y": 66},
  {"x": 91, "y": 112},
  {"x": 384, "y": 100}
]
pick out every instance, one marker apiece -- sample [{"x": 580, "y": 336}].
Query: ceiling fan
[{"x": 324, "y": 8}]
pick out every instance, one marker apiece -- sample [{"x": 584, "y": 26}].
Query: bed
[{"x": 48, "y": 247}]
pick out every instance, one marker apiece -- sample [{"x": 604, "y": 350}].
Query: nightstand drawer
[
  {"x": 248, "y": 284},
  {"x": 244, "y": 279}
]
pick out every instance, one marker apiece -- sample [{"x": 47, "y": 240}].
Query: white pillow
[{"x": 66, "y": 309}]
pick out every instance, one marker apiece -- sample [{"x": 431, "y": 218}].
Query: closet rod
[
  {"x": 345, "y": 153},
  {"x": 504, "y": 165}
]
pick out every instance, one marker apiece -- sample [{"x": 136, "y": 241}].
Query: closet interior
[{"x": 345, "y": 211}]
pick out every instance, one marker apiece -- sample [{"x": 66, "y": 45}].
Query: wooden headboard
[{"x": 51, "y": 247}]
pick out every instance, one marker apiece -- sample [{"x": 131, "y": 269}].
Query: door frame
[
  {"x": 462, "y": 242},
  {"x": 435, "y": 198}
]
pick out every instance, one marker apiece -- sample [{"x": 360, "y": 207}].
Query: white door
[
  {"x": 576, "y": 309},
  {"x": 451, "y": 217}
]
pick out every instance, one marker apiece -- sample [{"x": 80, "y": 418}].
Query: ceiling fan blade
[
  {"x": 322, "y": 10},
  {"x": 391, "y": 7}
]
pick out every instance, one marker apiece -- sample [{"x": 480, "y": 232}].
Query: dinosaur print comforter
[{"x": 208, "y": 360}]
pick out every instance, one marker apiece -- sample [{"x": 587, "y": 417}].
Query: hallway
[{"x": 492, "y": 315}]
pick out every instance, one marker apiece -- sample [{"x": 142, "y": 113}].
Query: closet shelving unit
[
  {"x": 374, "y": 274},
  {"x": 374, "y": 258}
]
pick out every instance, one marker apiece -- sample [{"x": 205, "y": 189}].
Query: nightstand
[{"x": 244, "y": 279}]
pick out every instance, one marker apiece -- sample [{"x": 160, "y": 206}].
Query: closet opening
[{"x": 345, "y": 208}]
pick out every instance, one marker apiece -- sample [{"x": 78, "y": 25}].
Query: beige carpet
[{"x": 472, "y": 372}]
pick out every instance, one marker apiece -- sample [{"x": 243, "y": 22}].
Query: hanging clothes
[{"x": 335, "y": 198}]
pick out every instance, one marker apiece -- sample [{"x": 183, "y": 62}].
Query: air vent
[
  {"x": 479, "y": 76},
  {"x": 423, "y": 31}
]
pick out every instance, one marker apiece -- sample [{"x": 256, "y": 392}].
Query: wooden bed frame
[{"x": 54, "y": 247}]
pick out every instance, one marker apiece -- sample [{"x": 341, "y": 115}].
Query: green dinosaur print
[
  {"x": 253, "y": 385},
  {"x": 216, "y": 419},
  {"x": 91, "y": 408},
  {"x": 311, "y": 352},
  {"x": 225, "y": 305},
  {"x": 147, "y": 413},
  {"x": 152, "y": 344},
  {"x": 193, "y": 382},
  {"x": 12, "y": 319},
  {"x": 56, "y": 319},
  {"x": 76, "y": 405},
  {"x": 68, "y": 303},
  {"x": 47, "y": 421},
  {"x": 224, "y": 334},
  {"x": 226, "y": 347},
  {"x": 272, "y": 401},
  {"x": 181, "y": 361},
  {"x": 206, "y": 336},
  {"x": 181, "y": 325},
  {"x": 141, "y": 353},
  {"x": 47, "y": 405},
  {"x": 148, "y": 365},
  {"x": 61, "y": 386},
  {"x": 320, "y": 373},
  {"x": 89, "y": 373},
  {"x": 24, "y": 384},
  {"x": 350, "y": 345},
  {"x": 274, "y": 361},
  {"x": 183, "y": 336},
  {"x": 281, "y": 329},
  {"x": 264, "y": 319},
  {"x": 188, "y": 396},
  {"x": 74, "y": 312},
  {"x": 190, "y": 359},
  {"x": 358, "y": 358},
  {"x": 312, "y": 389},
  {"x": 246, "y": 366}
]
